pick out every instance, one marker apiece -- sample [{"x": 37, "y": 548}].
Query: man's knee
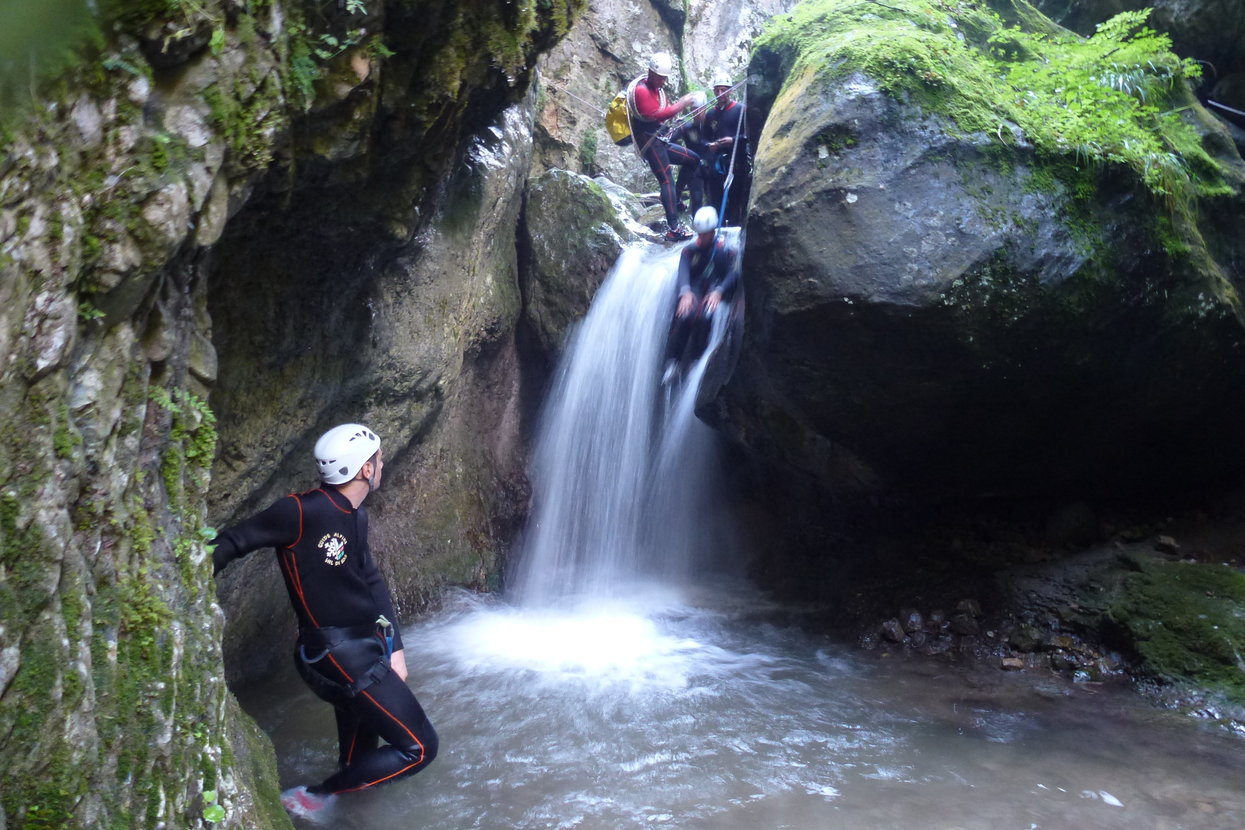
[{"x": 425, "y": 750}]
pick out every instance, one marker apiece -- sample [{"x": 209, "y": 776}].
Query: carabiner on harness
[{"x": 387, "y": 628}]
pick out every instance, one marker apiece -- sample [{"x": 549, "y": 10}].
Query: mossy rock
[
  {"x": 1186, "y": 623},
  {"x": 571, "y": 237},
  {"x": 980, "y": 262}
]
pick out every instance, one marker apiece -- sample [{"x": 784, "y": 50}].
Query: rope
[
  {"x": 730, "y": 171},
  {"x": 683, "y": 119},
  {"x": 679, "y": 121},
  {"x": 1224, "y": 107},
  {"x": 588, "y": 104}
]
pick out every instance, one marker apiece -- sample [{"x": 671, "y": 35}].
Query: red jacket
[{"x": 651, "y": 103}]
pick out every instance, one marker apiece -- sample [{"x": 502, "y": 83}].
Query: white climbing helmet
[
  {"x": 661, "y": 63},
  {"x": 720, "y": 78},
  {"x": 342, "y": 450},
  {"x": 699, "y": 99},
  {"x": 705, "y": 220}
]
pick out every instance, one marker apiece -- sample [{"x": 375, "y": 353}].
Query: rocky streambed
[{"x": 1150, "y": 601}]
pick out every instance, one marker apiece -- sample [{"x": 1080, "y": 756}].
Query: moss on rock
[
  {"x": 1186, "y": 622},
  {"x": 1115, "y": 98}
]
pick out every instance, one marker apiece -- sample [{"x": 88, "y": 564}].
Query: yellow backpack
[{"x": 616, "y": 122}]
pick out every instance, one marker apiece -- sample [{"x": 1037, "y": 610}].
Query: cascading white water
[{"x": 623, "y": 475}]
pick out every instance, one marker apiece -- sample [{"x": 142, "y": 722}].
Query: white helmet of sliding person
[
  {"x": 661, "y": 64},
  {"x": 342, "y": 450},
  {"x": 705, "y": 220}
]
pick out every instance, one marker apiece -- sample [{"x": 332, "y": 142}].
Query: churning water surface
[
  {"x": 619, "y": 687},
  {"x": 718, "y": 711}
]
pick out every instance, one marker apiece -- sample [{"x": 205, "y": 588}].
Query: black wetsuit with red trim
[
  {"x": 702, "y": 271},
  {"x": 730, "y": 121},
  {"x": 649, "y": 114},
  {"x": 338, "y": 595}
]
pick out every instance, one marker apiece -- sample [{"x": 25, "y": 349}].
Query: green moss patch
[
  {"x": 1115, "y": 98},
  {"x": 1186, "y": 622}
]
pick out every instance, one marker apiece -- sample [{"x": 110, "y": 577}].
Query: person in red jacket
[
  {"x": 648, "y": 109},
  {"x": 348, "y": 650}
]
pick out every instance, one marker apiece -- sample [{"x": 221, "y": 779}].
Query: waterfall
[{"x": 624, "y": 475}]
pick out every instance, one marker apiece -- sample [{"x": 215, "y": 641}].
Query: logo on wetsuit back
[{"x": 334, "y": 547}]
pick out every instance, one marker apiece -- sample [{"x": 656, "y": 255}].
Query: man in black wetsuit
[
  {"x": 345, "y": 617},
  {"x": 692, "y": 135},
  {"x": 726, "y": 122},
  {"x": 708, "y": 274}
]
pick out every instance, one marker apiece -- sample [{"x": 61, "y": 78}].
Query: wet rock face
[
  {"x": 934, "y": 312},
  {"x": 121, "y": 201},
  {"x": 572, "y": 235},
  {"x": 112, "y": 705}
]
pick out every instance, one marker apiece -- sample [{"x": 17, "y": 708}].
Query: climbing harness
[
  {"x": 664, "y": 133},
  {"x": 354, "y": 645}
]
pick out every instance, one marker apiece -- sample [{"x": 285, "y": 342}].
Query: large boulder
[{"x": 948, "y": 297}]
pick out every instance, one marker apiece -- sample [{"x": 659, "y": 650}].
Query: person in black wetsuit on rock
[
  {"x": 726, "y": 121},
  {"x": 708, "y": 273},
  {"x": 348, "y": 652}
]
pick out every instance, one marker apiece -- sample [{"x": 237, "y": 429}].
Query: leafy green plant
[
  {"x": 1114, "y": 98},
  {"x": 1099, "y": 98},
  {"x": 212, "y": 810},
  {"x": 89, "y": 313},
  {"x": 588, "y": 151}
]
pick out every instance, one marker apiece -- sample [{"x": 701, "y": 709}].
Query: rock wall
[
  {"x": 609, "y": 46},
  {"x": 137, "y": 186}
]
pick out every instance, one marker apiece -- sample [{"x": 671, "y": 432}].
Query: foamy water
[{"x": 718, "y": 711}]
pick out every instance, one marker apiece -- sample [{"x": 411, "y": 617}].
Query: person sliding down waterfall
[
  {"x": 348, "y": 650},
  {"x": 708, "y": 273},
  {"x": 647, "y": 111}
]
